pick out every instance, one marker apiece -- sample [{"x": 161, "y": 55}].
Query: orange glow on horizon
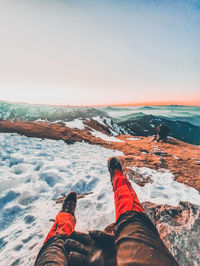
[{"x": 161, "y": 103}]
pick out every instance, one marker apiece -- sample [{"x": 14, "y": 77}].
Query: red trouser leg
[
  {"x": 125, "y": 197},
  {"x": 64, "y": 224}
]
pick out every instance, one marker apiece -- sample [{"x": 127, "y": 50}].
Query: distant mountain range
[{"x": 183, "y": 121}]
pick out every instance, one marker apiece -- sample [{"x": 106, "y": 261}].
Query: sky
[{"x": 81, "y": 52}]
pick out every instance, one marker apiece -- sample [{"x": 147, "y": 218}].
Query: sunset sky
[{"x": 106, "y": 52}]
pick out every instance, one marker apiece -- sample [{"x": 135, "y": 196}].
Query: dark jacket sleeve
[{"x": 138, "y": 242}]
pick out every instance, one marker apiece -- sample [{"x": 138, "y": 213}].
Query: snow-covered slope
[
  {"x": 163, "y": 189},
  {"x": 35, "y": 172},
  {"x": 106, "y": 122}
]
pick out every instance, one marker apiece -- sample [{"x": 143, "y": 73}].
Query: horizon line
[{"x": 160, "y": 103}]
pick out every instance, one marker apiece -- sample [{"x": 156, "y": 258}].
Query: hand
[{"x": 96, "y": 248}]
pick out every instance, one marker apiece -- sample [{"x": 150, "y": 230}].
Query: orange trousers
[
  {"x": 64, "y": 225},
  {"x": 124, "y": 196},
  {"x": 125, "y": 200}
]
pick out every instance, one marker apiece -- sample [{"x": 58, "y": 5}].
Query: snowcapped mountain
[{"x": 26, "y": 112}]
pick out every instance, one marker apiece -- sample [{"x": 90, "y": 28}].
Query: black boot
[
  {"x": 69, "y": 204},
  {"x": 113, "y": 164}
]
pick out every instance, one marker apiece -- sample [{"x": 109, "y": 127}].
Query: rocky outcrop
[
  {"x": 93, "y": 124},
  {"x": 179, "y": 229}
]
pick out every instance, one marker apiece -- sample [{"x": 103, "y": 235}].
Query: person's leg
[
  {"x": 137, "y": 239},
  {"x": 53, "y": 250},
  {"x": 64, "y": 225},
  {"x": 124, "y": 195},
  {"x": 138, "y": 242}
]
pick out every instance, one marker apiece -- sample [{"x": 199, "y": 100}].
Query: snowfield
[
  {"x": 163, "y": 190},
  {"x": 35, "y": 172}
]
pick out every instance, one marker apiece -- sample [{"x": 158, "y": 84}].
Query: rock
[
  {"x": 69, "y": 141},
  {"x": 179, "y": 228},
  {"x": 91, "y": 123},
  {"x": 139, "y": 179},
  {"x": 161, "y": 153}
]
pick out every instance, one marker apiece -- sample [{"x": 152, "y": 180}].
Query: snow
[
  {"x": 113, "y": 127},
  {"x": 133, "y": 138},
  {"x": 77, "y": 123},
  {"x": 105, "y": 137},
  {"x": 107, "y": 122},
  {"x": 102, "y": 120},
  {"x": 164, "y": 190},
  {"x": 176, "y": 157},
  {"x": 35, "y": 172}
]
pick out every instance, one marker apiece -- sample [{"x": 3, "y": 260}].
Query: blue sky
[{"x": 100, "y": 52}]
